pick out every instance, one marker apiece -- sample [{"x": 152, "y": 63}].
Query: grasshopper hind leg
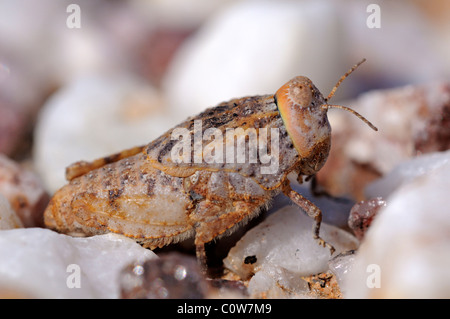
[
  {"x": 213, "y": 221},
  {"x": 83, "y": 167}
]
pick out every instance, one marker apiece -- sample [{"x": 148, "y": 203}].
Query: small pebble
[
  {"x": 24, "y": 190},
  {"x": 172, "y": 276},
  {"x": 362, "y": 215}
]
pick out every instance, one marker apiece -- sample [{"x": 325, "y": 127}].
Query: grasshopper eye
[
  {"x": 295, "y": 93},
  {"x": 299, "y": 104}
]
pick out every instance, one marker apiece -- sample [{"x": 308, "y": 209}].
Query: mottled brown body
[
  {"x": 132, "y": 198},
  {"x": 146, "y": 195}
]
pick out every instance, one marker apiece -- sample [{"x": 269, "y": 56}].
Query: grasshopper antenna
[
  {"x": 328, "y": 106},
  {"x": 343, "y": 78}
]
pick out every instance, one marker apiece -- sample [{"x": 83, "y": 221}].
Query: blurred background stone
[
  {"x": 405, "y": 251},
  {"x": 94, "y": 117},
  {"x": 405, "y": 172},
  {"x": 411, "y": 120},
  {"x": 13, "y": 127},
  {"x": 277, "y": 40},
  {"x": 24, "y": 191},
  {"x": 8, "y": 217}
]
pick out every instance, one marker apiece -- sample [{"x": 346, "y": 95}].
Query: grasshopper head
[
  {"x": 304, "y": 112},
  {"x": 300, "y": 105}
]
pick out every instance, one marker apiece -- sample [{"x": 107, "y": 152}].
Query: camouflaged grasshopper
[{"x": 147, "y": 194}]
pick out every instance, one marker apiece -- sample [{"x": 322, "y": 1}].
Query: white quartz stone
[
  {"x": 284, "y": 248},
  {"x": 276, "y": 282},
  {"x": 41, "y": 263}
]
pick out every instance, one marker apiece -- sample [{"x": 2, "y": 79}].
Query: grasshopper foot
[{"x": 323, "y": 243}]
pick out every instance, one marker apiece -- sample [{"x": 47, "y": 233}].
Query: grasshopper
[{"x": 157, "y": 197}]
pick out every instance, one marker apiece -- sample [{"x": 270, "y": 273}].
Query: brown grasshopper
[{"x": 162, "y": 193}]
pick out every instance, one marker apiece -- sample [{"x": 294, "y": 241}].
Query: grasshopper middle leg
[{"x": 312, "y": 210}]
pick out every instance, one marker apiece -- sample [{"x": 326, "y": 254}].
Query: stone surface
[
  {"x": 405, "y": 252},
  {"x": 40, "y": 263},
  {"x": 395, "y": 57}
]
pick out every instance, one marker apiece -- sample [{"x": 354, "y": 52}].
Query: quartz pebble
[
  {"x": 24, "y": 190},
  {"x": 405, "y": 252},
  {"x": 40, "y": 263},
  {"x": 280, "y": 250},
  {"x": 172, "y": 276}
]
